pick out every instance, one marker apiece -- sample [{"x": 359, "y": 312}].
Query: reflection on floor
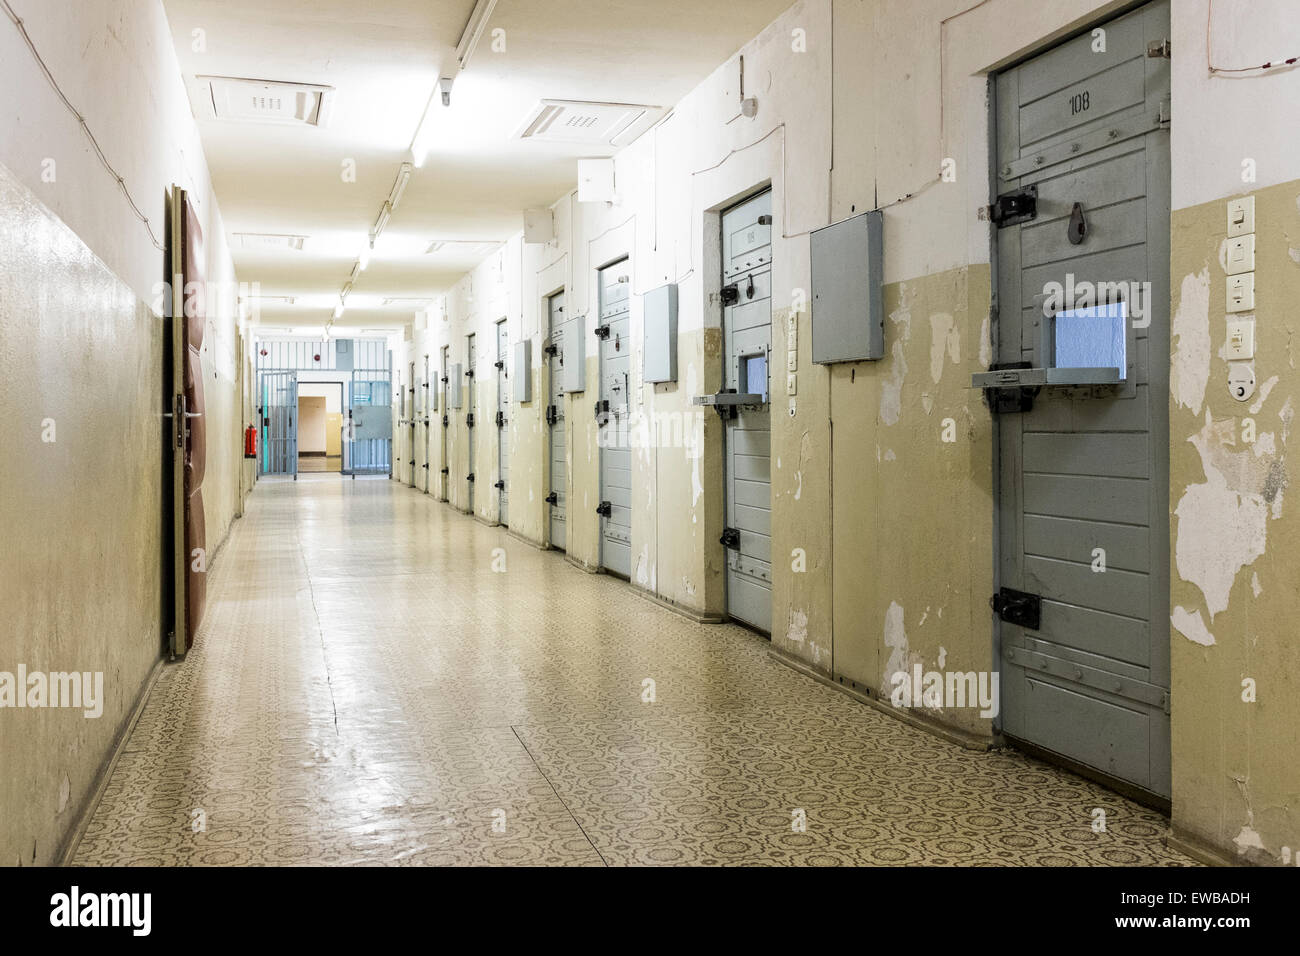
[
  {"x": 369, "y": 688},
  {"x": 311, "y": 463}
]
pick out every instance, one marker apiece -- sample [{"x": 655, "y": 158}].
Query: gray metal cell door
[
  {"x": 747, "y": 344},
  {"x": 556, "y": 499},
  {"x": 279, "y": 398},
  {"x": 445, "y": 469},
  {"x": 413, "y": 413},
  {"x": 612, "y": 408},
  {"x": 426, "y": 396},
  {"x": 1083, "y": 540},
  {"x": 471, "y": 406},
  {"x": 503, "y": 422},
  {"x": 370, "y": 422}
]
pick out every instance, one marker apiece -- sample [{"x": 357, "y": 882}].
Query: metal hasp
[
  {"x": 730, "y": 538},
  {"x": 604, "y": 509},
  {"x": 727, "y": 401},
  {"x": 1014, "y": 207},
  {"x": 1018, "y": 607},
  {"x": 1008, "y": 395}
]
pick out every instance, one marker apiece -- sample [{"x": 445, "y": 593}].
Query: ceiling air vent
[
  {"x": 575, "y": 121},
  {"x": 262, "y": 101},
  {"x": 269, "y": 240}
]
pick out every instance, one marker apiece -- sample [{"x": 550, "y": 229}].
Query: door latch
[
  {"x": 1078, "y": 227},
  {"x": 499, "y": 364},
  {"x": 602, "y": 331},
  {"x": 1018, "y": 607},
  {"x": 1014, "y": 207},
  {"x": 552, "y": 499},
  {"x": 730, "y": 294},
  {"x": 470, "y": 477},
  {"x": 469, "y": 373},
  {"x": 501, "y": 419},
  {"x": 446, "y": 471},
  {"x": 499, "y": 484},
  {"x": 604, "y": 509},
  {"x": 730, "y": 538},
  {"x": 1010, "y": 398},
  {"x": 552, "y": 415},
  {"x": 550, "y": 349},
  {"x": 445, "y": 421},
  {"x": 602, "y": 411},
  {"x": 1159, "y": 50},
  {"x": 469, "y": 420}
]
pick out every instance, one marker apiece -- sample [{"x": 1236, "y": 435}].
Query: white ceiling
[{"x": 383, "y": 57}]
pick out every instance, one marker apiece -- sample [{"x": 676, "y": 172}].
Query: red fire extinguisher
[{"x": 250, "y": 442}]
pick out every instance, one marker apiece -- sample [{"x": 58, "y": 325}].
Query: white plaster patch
[
  {"x": 1190, "y": 343},
  {"x": 1221, "y": 529},
  {"x": 889, "y": 455},
  {"x": 1248, "y": 839},
  {"x": 927, "y": 403},
  {"x": 796, "y": 631},
  {"x": 986, "y": 344},
  {"x": 944, "y": 338},
  {"x": 896, "y": 640},
  {"x": 891, "y": 389},
  {"x": 1191, "y": 626},
  {"x": 1264, "y": 389},
  {"x": 642, "y": 561},
  {"x": 943, "y": 656},
  {"x": 1255, "y": 587},
  {"x": 1295, "y": 255}
]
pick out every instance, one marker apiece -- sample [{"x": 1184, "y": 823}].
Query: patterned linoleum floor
[{"x": 367, "y": 689}]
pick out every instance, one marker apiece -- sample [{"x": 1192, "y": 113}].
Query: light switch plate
[
  {"x": 1241, "y": 340},
  {"x": 1241, "y": 292},
  {"x": 1241, "y": 255},
  {"x": 792, "y": 361},
  {"x": 1241, "y": 216},
  {"x": 790, "y": 383}
]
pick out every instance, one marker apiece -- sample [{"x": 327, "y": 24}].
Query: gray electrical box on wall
[
  {"x": 343, "y": 355},
  {"x": 524, "y": 371},
  {"x": 848, "y": 312},
  {"x": 455, "y": 382},
  {"x": 659, "y": 351},
  {"x": 573, "y": 357}
]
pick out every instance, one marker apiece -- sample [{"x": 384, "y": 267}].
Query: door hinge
[
  {"x": 602, "y": 331},
  {"x": 425, "y": 466},
  {"x": 1165, "y": 117},
  {"x": 604, "y": 509},
  {"x": 445, "y": 421},
  {"x": 1021, "y": 205},
  {"x": 499, "y": 364},
  {"x": 730, "y": 294},
  {"x": 469, "y": 373},
  {"x": 411, "y": 462},
  {"x": 730, "y": 538},
  {"x": 1159, "y": 50},
  {"x": 552, "y": 499},
  {"x": 445, "y": 380},
  {"x": 1164, "y": 699},
  {"x": 1018, "y": 607},
  {"x": 499, "y": 484},
  {"x": 446, "y": 471},
  {"x": 501, "y": 419}
]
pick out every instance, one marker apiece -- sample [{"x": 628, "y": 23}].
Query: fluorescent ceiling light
[
  {"x": 399, "y": 185},
  {"x": 363, "y": 260},
  {"x": 269, "y": 240},
  {"x": 474, "y": 29}
]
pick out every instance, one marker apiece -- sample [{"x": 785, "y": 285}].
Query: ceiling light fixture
[
  {"x": 363, "y": 260},
  {"x": 474, "y": 30}
]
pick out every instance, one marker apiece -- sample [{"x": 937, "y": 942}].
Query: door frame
[{"x": 600, "y": 395}]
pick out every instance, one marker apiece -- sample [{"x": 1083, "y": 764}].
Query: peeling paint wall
[{"x": 1236, "y": 544}]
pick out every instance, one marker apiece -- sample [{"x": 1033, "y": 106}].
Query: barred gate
[{"x": 370, "y": 423}]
